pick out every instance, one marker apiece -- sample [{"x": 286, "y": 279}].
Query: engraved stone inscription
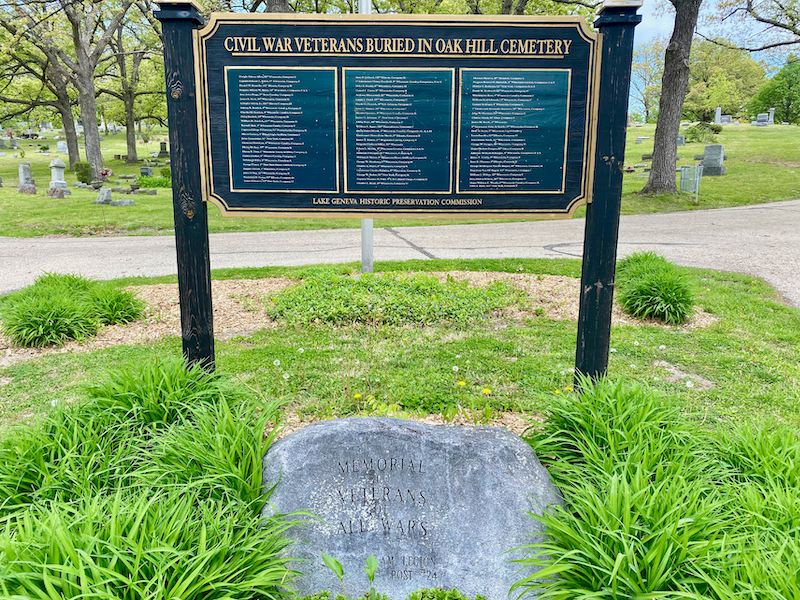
[{"x": 437, "y": 506}]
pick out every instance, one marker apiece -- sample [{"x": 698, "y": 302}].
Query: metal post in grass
[
  {"x": 178, "y": 20},
  {"x": 616, "y": 24},
  {"x": 367, "y": 225}
]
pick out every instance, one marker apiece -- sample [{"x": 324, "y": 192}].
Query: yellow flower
[
  {"x": 568, "y": 388},
  {"x": 558, "y": 391},
  {"x": 357, "y": 396},
  {"x": 462, "y": 383},
  {"x": 486, "y": 391}
]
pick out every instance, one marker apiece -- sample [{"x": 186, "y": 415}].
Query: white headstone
[
  {"x": 771, "y": 120},
  {"x": 25, "y": 177},
  {"x": 718, "y": 115},
  {"x": 57, "y": 180},
  {"x": 61, "y": 148}
]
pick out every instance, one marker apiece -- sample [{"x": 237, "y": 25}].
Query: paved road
[{"x": 761, "y": 240}]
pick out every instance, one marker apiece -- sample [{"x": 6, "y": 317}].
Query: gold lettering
[
  {"x": 425, "y": 45},
  {"x": 228, "y": 43},
  {"x": 567, "y": 44},
  {"x": 504, "y": 46}
]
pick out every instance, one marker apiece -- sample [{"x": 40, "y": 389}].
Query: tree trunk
[
  {"x": 673, "y": 91},
  {"x": 91, "y": 132},
  {"x": 130, "y": 126},
  {"x": 68, "y": 119}
]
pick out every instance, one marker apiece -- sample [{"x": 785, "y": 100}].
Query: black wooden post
[
  {"x": 178, "y": 20},
  {"x": 616, "y": 23}
]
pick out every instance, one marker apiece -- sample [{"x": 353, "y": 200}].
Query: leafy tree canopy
[{"x": 782, "y": 93}]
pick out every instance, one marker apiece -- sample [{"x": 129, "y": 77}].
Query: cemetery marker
[{"x": 398, "y": 115}]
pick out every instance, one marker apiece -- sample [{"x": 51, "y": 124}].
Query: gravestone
[
  {"x": 718, "y": 115},
  {"x": 726, "y": 120},
  {"x": 61, "y": 148},
  {"x": 103, "y": 196},
  {"x": 771, "y": 118},
  {"x": 681, "y": 140},
  {"x": 438, "y": 507},
  {"x": 25, "y": 177},
  {"x": 27, "y": 189},
  {"x": 57, "y": 193},
  {"x": 3, "y": 143},
  {"x": 713, "y": 159},
  {"x": 145, "y": 171},
  {"x": 762, "y": 120},
  {"x": 57, "y": 180},
  {"x": 163, "y": 152},
  {"x": 13, "y": 144}
]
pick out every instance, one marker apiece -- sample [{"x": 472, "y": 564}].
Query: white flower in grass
[
  {"x": 635, "y": 343},
  {"x": 300, "y": 350},
  {"x": 276, "y": 362},
  {"x": 54, "y": 402},
  {"x": 690, "y": 384},
  {"x": 662, "y": 347},
  {"x": 455, "y": 369},
  {"x": 286, "y": 376},
  {"x": 613, "y": 350}
]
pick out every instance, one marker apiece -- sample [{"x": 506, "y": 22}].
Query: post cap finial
[{"x": 622, "y": 4}]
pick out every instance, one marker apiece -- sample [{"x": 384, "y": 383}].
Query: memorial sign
[
  {"x": 438, "y": 507},
  {"x": 303, "y": 115}
]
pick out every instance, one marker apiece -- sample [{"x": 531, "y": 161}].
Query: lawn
[
  {"x": 132, "y": 478},
  {"x": 762, "y": 166}
]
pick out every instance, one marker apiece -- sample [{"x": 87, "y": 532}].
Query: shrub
[
  {"x": 154, "y": 182},
  {"x": 386, "y": 299},
  {"x": 649, "y": 286},
  {"x": 164, "y": 391},
  {"x": 44, "y": 148},
  {"x": 83, "y": 171},
  {"x": 702, "y": 132},
  {"x": 166, "y": 172},
  {"x": 58, "y": 308}
]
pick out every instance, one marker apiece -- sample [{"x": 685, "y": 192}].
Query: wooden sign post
[{"x": 397, "y": 115}]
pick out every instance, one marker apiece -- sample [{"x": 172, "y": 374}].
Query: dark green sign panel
[{"x": 370, "y": 116}]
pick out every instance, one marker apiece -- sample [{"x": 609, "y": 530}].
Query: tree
[
  {"x": 720, "y": 76},
  {"x": 73, "y": 35},
  {"x": 134, "y": 43},
  {"x": 646, "y": 72},
  {"x": 782, "y": 93},
  {"x": 673, "y": 92}
]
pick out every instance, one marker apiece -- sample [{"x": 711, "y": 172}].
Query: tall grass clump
[
  {"x": 650, "y": 287},
  {"x": 150, "y": 489},
  {"x": 391, "y": 299},
  {"x": 657, "y": 506},
  {"x": 58, "y": 308}
]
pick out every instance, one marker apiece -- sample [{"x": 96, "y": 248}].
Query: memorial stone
[
  {"x": 438, "y": 507},
  {"x": 726, "y": 119},
  {"x": 713, "y": 160},
  {"x": 762, "y": 120},
  {"x": 61, "y": 148},
  {"x": 2, "y": 143},
  {"x": 103, "y": 196},
  {"x": 27, "y": 189},
  {"x": 13, "y": 144},
  {"x": 681, "y": 140},
  {"x": 771, "y": 119},
  {"x": 57, "y": 193},
  {"x": 163, "y": 152},
  {"x": 25, "y": 174},
  {"x": 57, "y": 180},
  {"x": 146, "y": 171},
  {"x": 126, "y": 202},
  {"x": 718, "y": 115}
]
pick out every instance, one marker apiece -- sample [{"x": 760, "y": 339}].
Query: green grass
[
  {"x": 762, "y": 165},
  {"x": 749, "y": 353}
]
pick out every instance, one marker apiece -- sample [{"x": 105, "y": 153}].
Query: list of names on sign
[
  {"x": 283, "y": 129},
  {"x": 513, "y": 130},
  {"x": 399, "y": 126}
]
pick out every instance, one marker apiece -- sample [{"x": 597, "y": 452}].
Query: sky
[{"x": 651, "y": 25}]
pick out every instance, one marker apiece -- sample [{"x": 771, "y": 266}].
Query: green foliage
[
  {"x": 164, "y": 391},
  {"x": 92, "y": 504},
  {"x": 83, "y": 171},
  {"x": 58, "y": 308},
  {"x": 781, "y": 92},
  {"x": 440, "y": 594},
  {"x": 166, "y": 172},
  {"x": 154, "y": 182},
  {"x": 720, "y": 76},
  {"x": 324, "y": 297},
  {"x": 654, "y": 509},
  {"x": 44, "y": 148},
  {"x": 650, "y": 287},
  {"x": 702, "y": 132}
]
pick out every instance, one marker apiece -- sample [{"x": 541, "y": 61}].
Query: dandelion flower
[
  {"x": 635, "y": 343},
  {"x": 276, "y": 362},
  {"x": 300, "y": 350},
  {"x": 613, "y": 350},
  {"x": 356, "y": 396},
  {"x": 662, "y": 347},
  {"x": 486, "y": 391},
  {"x": 54, "y": 402},
  {"x": 690, "y": 384},
  {"x": 458, "y": 356},
  {"x": 568, "y": 388},
  {"x": 558, "y": 391},
  {"x": 455, "y": 369},
  {"x": 286, "y": 376},
  {"x": 462, "y": 383}
]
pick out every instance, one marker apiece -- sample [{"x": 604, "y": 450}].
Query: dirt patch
[
  {"x": 239, "y": 310},
  {"x": 688, "y": 379},
  {"x": 516, "y": 423}
]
